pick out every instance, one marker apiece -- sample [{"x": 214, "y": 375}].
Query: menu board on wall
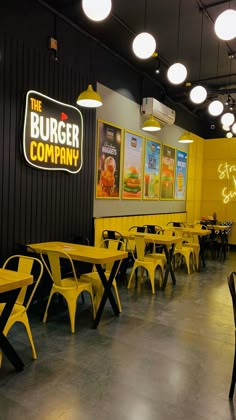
[
  {"x": 132, "y": 166},
  {"x": 180, "y": 175},
  {"x": 167, "y": 172},
  {"x": 108, "y": 160},
  {"x": 151, "y": 181}
]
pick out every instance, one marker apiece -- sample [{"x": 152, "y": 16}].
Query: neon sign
[
  {"x": 228, "y": 172},
  {"x": 53, "y": 134}
]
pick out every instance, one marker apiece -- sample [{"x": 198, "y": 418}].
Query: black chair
[{"x": 231, "y": 283}]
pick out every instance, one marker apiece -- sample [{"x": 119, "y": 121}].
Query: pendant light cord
[
  {"x": 178, "y": 31},
  {"x": 200, "y": 57},
  {"x": 145, "y": 15}
]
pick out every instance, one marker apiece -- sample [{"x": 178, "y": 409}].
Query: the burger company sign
[{"x": 53, "y": 134}]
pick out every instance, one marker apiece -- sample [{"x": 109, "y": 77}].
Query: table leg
[
  {"x": 169, "y": 267},
  {"x": 107, "y": 283},
  {"x": 10, "y": 299}
]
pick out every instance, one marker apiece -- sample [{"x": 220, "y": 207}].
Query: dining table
[
  {"x": 94, "y": 255},
  {"x": 11, "y": 283},
  {"x": 167, "y": 241}
]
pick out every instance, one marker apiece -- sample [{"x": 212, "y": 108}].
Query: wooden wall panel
[{"x": 39, "y": 205}]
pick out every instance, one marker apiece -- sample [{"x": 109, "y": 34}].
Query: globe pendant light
[
  {"x": 144, "y": 44},
  {"x": 229, "y": 135},
  {"x": 233, "y": 128},
  {"x": 227, "y": 119},
  {"x": 198, "y": 94},
  {"x": 89, "y": 98},
  {"x": 225, "y": 127},
  {"x": 186, "y": 137},
  {"x": 215, "y": 108},
  {"x": 225, "y": 25},
  {"x": 96, "y": 10},
  {"x": 151, "y": 125},
  {"x": 177, "y": 72}
]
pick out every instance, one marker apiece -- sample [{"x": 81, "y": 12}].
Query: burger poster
[
  {"x": 167, "y": 172},
  {"x": 132, "y": 170},
  {"x": 151, "y": 185},
  {"x": 108, "y": 160},
  {"x": 180, "y": 175}
]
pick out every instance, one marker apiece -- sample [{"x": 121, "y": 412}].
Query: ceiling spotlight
[
  {"x": 157, "y": 67},
  {"x": 227, "y": 118},
  {"x": 215, "y": 108},
  {"x": 177, "y": 73},
  {"x": 96, "y": 10},
  {"x": 198, "y": 94},
  {"x": 144, "y": 45},
  {"x": 225, "y": 25},
  {"x": 229, "y": 135}
]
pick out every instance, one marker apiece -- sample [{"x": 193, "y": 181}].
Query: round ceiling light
[
  {"x": 144, "y": 45},
  {"x": 229, "y": 135},
  {"x": 227, "y": 119},
  {"x": 215, "y": 108},
  {"x": 96, "y": 10},
  {"x": 225, "y": 25},
  {"x": 225, "y": 127},
  {"x": 233, "y": 128},
  {"x": 177, "y": 73},
  {"x": 198, "y": 94}
]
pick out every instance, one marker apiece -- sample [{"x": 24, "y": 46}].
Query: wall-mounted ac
[{"x": 151, "y": 106}]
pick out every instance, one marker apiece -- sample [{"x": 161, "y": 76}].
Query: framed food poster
[
  {"x": 109, "y": 138},
  {"x": 132, "y": 166},
  {"x": 151, "y": 178},
  {"x": 180, "y": 175},
  {"x": 167, "y": 172}
]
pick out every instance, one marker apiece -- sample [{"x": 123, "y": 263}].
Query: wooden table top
[
  {"x": 10, "y": 280},
  {"x": 160, "y": 239},
  {"x": 91, "y": 254}
]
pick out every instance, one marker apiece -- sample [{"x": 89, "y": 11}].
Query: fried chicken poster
[
  {"x": 108, "y": 160},
  {"x": 133, "y": 150}
]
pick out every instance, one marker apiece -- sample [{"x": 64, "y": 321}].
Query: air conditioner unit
[{"x": 152, "y": 106}]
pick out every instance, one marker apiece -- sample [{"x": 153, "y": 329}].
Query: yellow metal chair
[
  {"x": 98, "y": 288},
  {"x": 148, "y": 261},
  {"x": 29, "y": 265},
  {"x": 185, "y": 251},
  {"x": 70, "y": 288},
  {"x": 192, "y": 242}
]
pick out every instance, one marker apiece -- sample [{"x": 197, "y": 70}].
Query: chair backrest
[
  {"x": 176, "y": 224},
  {"x": 114, "y": 244},
  {"x": 140, "y": 229},
  {"x": 112, "y": 235},
  {"x": 231, "y": 283},
  {"x": 168, "y": 232},
  {"x": 53, "y": 266},
  {"x": 152, "y": 228},
  {"x": 140, "y": 244},
  {"x": 29, "y": 265}
]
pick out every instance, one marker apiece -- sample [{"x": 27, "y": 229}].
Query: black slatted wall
[{"x": 39, "y": 205}]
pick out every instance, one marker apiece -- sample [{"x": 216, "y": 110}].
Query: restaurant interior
[{"x": 117, "y": 221}]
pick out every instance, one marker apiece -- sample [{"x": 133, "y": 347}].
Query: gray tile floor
[{"x": 167, "y": 357}]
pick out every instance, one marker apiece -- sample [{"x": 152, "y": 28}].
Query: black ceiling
[{"x": 207, "y": 61}]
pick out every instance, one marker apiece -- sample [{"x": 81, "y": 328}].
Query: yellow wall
[
  {"x": 218, "y": 152},
  {"x": 194, "y": 186}
]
